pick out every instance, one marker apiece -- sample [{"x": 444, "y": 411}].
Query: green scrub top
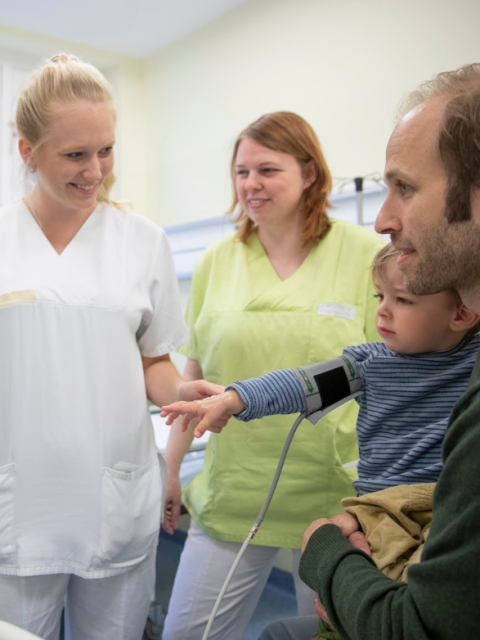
[{"x": 244, "y": 322}]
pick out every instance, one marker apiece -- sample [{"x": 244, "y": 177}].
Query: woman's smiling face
[
  {"x": 76, "y": 157},
  {"x": 269, "y": 184}
]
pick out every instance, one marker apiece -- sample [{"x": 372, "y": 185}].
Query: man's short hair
[{"x": 458, "y": 134}]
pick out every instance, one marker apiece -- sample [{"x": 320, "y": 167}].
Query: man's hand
[
  {"x": 350, "y": 527},
  {"x": 321, "y": 612},
  {"x": 213, "y": 413}
]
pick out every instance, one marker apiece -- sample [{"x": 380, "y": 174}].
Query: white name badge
[{"x": 338, "y": 310}]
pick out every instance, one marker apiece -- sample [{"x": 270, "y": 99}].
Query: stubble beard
[{"x": 448, "y": 258}]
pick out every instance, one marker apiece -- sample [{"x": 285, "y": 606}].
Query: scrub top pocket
[{"x": 130, "y": 513}]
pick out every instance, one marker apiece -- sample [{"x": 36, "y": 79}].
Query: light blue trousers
[{"x": 203, "y": 567}]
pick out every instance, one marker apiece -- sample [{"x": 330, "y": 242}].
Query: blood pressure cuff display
[{"x": 328, "y": 384}]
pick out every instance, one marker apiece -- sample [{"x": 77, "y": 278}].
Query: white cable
[
  {"x": 256, "y": 526},
  {"x": 263, "y": 510}
]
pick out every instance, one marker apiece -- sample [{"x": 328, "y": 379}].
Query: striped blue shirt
[{"x": 405, "y": 404}]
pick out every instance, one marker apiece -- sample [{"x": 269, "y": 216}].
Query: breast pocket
[
  {"x": 330, "y": 334},
  {"x": 131, "y": 510},
  {"x": 7, "y": 480}
]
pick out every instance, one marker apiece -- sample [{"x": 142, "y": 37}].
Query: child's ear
[{"x": 464, "y": 319}]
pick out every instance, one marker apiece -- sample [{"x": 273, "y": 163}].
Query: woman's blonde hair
[
  {"x": 62, "y": 79},
  {"x": 289, "y": 133}
]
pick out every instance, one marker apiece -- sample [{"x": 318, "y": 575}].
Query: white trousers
[
  {"x": 114, "y": 608},
  {"x": 204, "y": 565}
]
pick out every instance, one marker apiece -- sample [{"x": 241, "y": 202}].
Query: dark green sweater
[{"x": 442, "y": 597}]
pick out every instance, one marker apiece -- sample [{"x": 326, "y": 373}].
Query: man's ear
[
  {"x": 309, "y": 173},
  {"x": 26, "y": 151},
  {"x": 464, "y": 319}
]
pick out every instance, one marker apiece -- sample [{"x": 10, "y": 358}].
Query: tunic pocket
[
  {"x": 131, "y": 508},
  {"x": 7, "y": 479}
]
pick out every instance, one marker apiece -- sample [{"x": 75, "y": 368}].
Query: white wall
[{"x": 342, "y": 64}]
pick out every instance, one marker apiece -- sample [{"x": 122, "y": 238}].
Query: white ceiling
[{"x": 135, "y": 28}]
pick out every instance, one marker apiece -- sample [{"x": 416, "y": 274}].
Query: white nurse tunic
[{"x": 80, "y": 483}]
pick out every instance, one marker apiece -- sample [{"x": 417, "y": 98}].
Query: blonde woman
[{"x": 89, "y": 310}]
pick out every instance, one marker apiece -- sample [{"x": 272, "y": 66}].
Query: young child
[{"x": 410, "y": 383}]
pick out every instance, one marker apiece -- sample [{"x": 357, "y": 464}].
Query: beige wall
[
  {"x": 342, "y": 64},
  {"x": 127, "y": 76}
]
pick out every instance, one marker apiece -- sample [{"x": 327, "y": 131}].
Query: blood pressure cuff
[{"x": 329, "y": 384}]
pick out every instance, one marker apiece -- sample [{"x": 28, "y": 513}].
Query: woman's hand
[
  {"x": 164, "y": 384},
  {"x": 213, "y": 413},
  {"x": 173, "y": 502},
  {"x": 198, "y": 389}
]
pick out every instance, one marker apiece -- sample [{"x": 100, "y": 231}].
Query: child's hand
[{"x": 213, "y": 413}]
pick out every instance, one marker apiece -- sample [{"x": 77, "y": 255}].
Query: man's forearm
[{"x": 360, "y": 601}]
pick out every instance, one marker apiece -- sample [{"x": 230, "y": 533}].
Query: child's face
[{"x": 413, "y": 324}]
